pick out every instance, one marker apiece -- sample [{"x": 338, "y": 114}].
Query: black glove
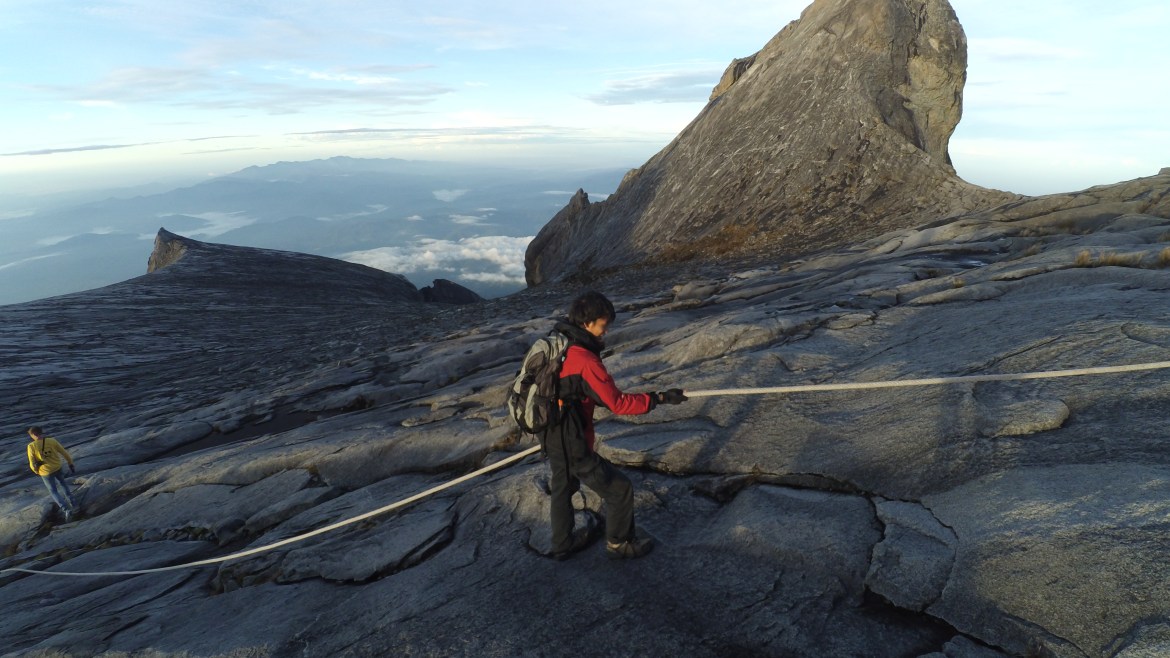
[{"x": 673, "y": 396}]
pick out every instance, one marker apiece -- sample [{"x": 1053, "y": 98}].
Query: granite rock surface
[
  {"x": 963, "y": 521},
  {"x": 835, "y": 131}
]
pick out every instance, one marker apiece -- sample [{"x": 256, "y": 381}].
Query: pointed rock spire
[{"x": 837, "y": 130}]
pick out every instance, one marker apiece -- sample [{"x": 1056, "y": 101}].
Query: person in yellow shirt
[{"x": 46, "y": 458}]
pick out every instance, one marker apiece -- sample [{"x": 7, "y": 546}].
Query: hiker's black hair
[
  {"x": 589, "y": 307},
  {"x": 36, "y": 429}
]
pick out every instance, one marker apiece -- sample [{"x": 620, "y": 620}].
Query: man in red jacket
[{"x": 584, "y": 384}]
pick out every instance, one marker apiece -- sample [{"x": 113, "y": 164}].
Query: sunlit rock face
[{"x": 835, "y": 131}]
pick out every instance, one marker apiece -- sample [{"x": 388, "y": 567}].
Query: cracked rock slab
[
  {"x": 1032, "y": 541},
  {"x": 912, "y": 563}
]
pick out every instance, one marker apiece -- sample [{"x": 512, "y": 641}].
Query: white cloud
[
  {"x": 29, "y": 260},
  {"x": 362, "y": 75},
  {"x": 262, "y": 89},
  {"x": 58, "y": 239},
  {"x": 492, "y": 277},
  {"x": 97, "y": 103},
  {"x": 54, "y": 240},
  {"x": 372, "y": 209},
  {"x": 471, "y": 220},
  {"x": 660, "y": 87},
  {"x": 414, "y": 218},
  {"x": 493, "y": 258},
  {"x": 1014, "y": 49},
  {"x": 218, "y": 223},
  {"x": 448, "y": 195}
]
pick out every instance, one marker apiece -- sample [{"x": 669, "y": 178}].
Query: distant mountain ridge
[{"x": 332, "y": 207}]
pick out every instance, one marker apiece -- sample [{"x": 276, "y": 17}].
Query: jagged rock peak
[
  {"x": 567, "y": 230},
  {"x": 267, "y": 275},
  {"x": 448, "y": 292},
  {"x": 837, "y": 130},
  {"x": 734, "y": 72},
  {"x": 168, "y": 248}
]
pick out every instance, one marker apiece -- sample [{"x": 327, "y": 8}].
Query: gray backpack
[{"x": 532, "y": 400}]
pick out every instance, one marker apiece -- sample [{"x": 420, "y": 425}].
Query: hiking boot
[
  {"x": 581, "y": 538},
  {"x": 68, "y": 516},
  {"x": 629, "y": 549}
]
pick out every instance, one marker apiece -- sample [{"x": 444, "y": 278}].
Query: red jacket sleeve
[{"x": 598, "y": 378}]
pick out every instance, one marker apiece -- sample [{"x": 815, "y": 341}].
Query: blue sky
[{"x": 1061, "y": 95}]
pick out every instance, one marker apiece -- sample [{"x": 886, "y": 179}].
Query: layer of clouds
[
  {"x": 472, "y": 220},
  {"x": 373, "y": 209},
  {"x": 482, "y": 135},
  {"x": 448, "y": 195},
  {"x": 274, "y": 91},
  {"x": 55, "y": 240},
  {"x": 76, "y": 149},
  {"x": 22, "y": 261},
  {"x": 660, "y": 87},
  {"x": 103, "y": 147},
  {"x": 489, "y": 259},
  {"x": 218, "y": 223},
  {"x": 1011, "y": 49}
]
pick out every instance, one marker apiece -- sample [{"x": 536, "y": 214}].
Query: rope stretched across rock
[
  {"x": 858, "y": 386},
  {"x": 854, "y": 386},
  {"x": 298, "y": 538}
]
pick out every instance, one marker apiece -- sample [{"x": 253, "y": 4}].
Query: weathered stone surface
[
  {"x": 734, "y": 72},
  {"x": 1150, "y": 641},
  {"x": 1021, "y": 418},
  {"x": 1048, "y": 537},
  {"x": 961, "y": 647},
  {"x": 912, "y": 563},
  {"x": 222, "y": 403},
  {"x": 1021, "y": 515},
  {"x": 835, "y": 131}
]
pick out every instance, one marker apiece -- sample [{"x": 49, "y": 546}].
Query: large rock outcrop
[
  {"x": 835, "y": 131},
  {"x": 179, "y": 261}
]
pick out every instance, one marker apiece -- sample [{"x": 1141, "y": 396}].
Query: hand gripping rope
[{"x": 1051, "y": 374}]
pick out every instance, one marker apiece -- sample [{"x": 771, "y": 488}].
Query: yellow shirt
[{"x": 49, "y": 454}]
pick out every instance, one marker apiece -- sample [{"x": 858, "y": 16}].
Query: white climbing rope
[
  {"x": 299, "y": 538},
  {"x": 1051, "y": 374},
  {"x": 856, "y": 386}
]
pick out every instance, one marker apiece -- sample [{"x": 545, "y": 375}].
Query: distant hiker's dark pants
[{"x": 572, "y": 463}]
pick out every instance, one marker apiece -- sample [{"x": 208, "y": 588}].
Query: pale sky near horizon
[{"x": 1061, "y": 94}]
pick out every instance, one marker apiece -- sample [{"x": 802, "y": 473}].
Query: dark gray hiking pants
[{"x": 572, "y": 463}]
